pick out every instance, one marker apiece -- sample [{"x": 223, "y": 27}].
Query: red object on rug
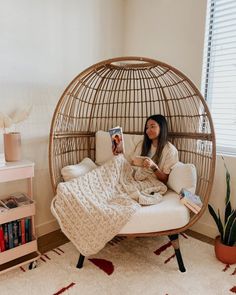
[
  {"x": 226, "y": 267},
  {"x": 60, "y": 250},
  {"x": 105, "y": 265},
  {"x": 168, "y": 259},
  {"x": 162, "y": 248},
  {"x": 183, "y": 235},
  {"x": 55, "y": 251},
  {"x": 233, "y": 289},
  {"x": 64, "y": 289}
]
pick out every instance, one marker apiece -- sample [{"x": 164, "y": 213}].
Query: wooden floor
[
  {"x": 57, "y": 238},
  {"x": 51, "y": 241}
]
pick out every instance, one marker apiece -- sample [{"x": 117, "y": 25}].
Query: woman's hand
[{"x": 148, "y": 163}]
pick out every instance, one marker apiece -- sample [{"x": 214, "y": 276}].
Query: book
[
  {"x": 2, "y": 242},
  {"x": 15, "y": 200},
  {"x": 117, "y": 140},
  {"x": 22, "y": 222},
  {"x": 19, "y": 232},
  {"x": 10, "y": 202},
  {"x": 3, "y": 207},
  {"x": 190, "y": 200},
  {"x": 6, "y": 238},
  {"x": 10, "y": 235},
  {"x": 28, "y": 230},
  {"x": 15, "y": 233},
  {"x": 21, "y": 199}
]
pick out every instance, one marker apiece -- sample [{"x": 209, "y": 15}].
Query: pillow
[
  {"x": 73, "y": 171},
  {"x": 182, "y": 176},
  {"x": 103, "y": 146}
]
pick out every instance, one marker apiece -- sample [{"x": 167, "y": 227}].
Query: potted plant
[
  {"x": 12, "y": 140},
  {"x": 225, "y": 243}
]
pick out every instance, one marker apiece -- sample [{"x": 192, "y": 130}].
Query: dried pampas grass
[
  {"x": 5, "y": 121},
  {"x": 21, "y": 114},
  {"x": 18, "y": 116}
]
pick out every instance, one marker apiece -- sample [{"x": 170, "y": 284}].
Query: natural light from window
[{"x": 219, "y": 71}]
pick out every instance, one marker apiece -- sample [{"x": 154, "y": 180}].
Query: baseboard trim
[
  {"x": 46, "y": 227},
  {"x": 205, "y": 229}
]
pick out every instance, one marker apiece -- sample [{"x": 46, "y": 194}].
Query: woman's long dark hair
[{"x": 162, "y": 138}]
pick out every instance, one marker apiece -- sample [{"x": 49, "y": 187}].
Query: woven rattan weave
[{"x": 125, "y": 91}]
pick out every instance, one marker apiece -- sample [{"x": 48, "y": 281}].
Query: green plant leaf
[
  {"x": 228, "y": 209},
  {"x": 232, "y": 234},
  {"x": 217, "y": 220},
  {"x": 213, "y": 214},
  {"x": 228, "y": 226},
  {"x": 220, "y": 226}
]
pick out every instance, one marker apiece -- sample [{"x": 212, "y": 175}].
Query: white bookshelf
[{"x": 28, "y": 252}]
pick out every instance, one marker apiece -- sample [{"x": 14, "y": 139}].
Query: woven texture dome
[{"x": 125, "y": 91}]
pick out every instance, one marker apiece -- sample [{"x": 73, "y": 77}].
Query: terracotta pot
[
  {"x": 12, "y": 146},
  {"x": 226, "y": 254}
]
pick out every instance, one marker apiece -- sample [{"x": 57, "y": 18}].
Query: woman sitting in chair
[{"x": 161, "y": 154}]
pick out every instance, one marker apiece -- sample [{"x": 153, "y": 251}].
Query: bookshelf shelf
[
  {"x": 18, "y": 251},
  {"x": 17, "y": 213},
  {"x": 27, "y": 252}
]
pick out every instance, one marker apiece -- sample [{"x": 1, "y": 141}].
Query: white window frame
[{"x": 218, "y": 29}]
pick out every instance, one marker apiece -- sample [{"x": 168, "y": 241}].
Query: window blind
[{"x": 219, "y": 71}]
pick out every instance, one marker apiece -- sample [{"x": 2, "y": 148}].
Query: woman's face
[{"x": 152, "y": 129}]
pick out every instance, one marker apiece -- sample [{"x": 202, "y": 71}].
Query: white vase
[{"x": 12, "y": 146}]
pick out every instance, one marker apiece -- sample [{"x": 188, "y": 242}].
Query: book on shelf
[
  {"x": 15, "y": 233},
  {"x": 3, "y": 207},
  {"x": 117, "y": 140},
  {"x": 28, "y": 229},
  {"x": 6, "y": 239},
  {"x": 2, "y": 242},
  {"x": 9, "y": 202},
  {"x": 10, "y": 235},
  {"x": 14, "y": 200},
  {"x": 22, "y": 226},
  {"x": 190, "y": 200},
  {"x": 19, "y": 232}
]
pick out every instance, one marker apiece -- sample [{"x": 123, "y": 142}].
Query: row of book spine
[{"x": 15, "y": 233}]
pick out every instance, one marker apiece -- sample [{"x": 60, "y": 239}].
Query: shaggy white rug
[{"x": 125, "y": 266}]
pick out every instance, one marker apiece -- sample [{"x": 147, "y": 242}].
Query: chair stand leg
[
  {"x": 175, "y": 243},
  {"x": 80, "y": 261}
]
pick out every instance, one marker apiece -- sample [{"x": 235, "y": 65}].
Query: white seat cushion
[{"x": 170, "y": 213}]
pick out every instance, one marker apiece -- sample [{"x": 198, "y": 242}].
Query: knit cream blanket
[{"x": 93, "y": 208}]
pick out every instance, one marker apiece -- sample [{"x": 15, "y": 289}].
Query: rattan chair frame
[{"x": 125, "y": 91}]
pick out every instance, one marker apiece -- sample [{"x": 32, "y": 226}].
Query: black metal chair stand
[
  {"x": 80, "y": 261},
  {"x": 175, "y": 243}
]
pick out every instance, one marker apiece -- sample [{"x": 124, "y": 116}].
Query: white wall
[
  {"x": 173, "y": 32},
  {"x": 43, "y": 46},
  {"x": 167, "y": 30},
  {"x": 206, "y": 225}
]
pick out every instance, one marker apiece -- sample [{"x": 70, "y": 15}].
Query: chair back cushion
[
  {"x": 73, "y": 171},
  {"x": 183, "y": 176}
]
